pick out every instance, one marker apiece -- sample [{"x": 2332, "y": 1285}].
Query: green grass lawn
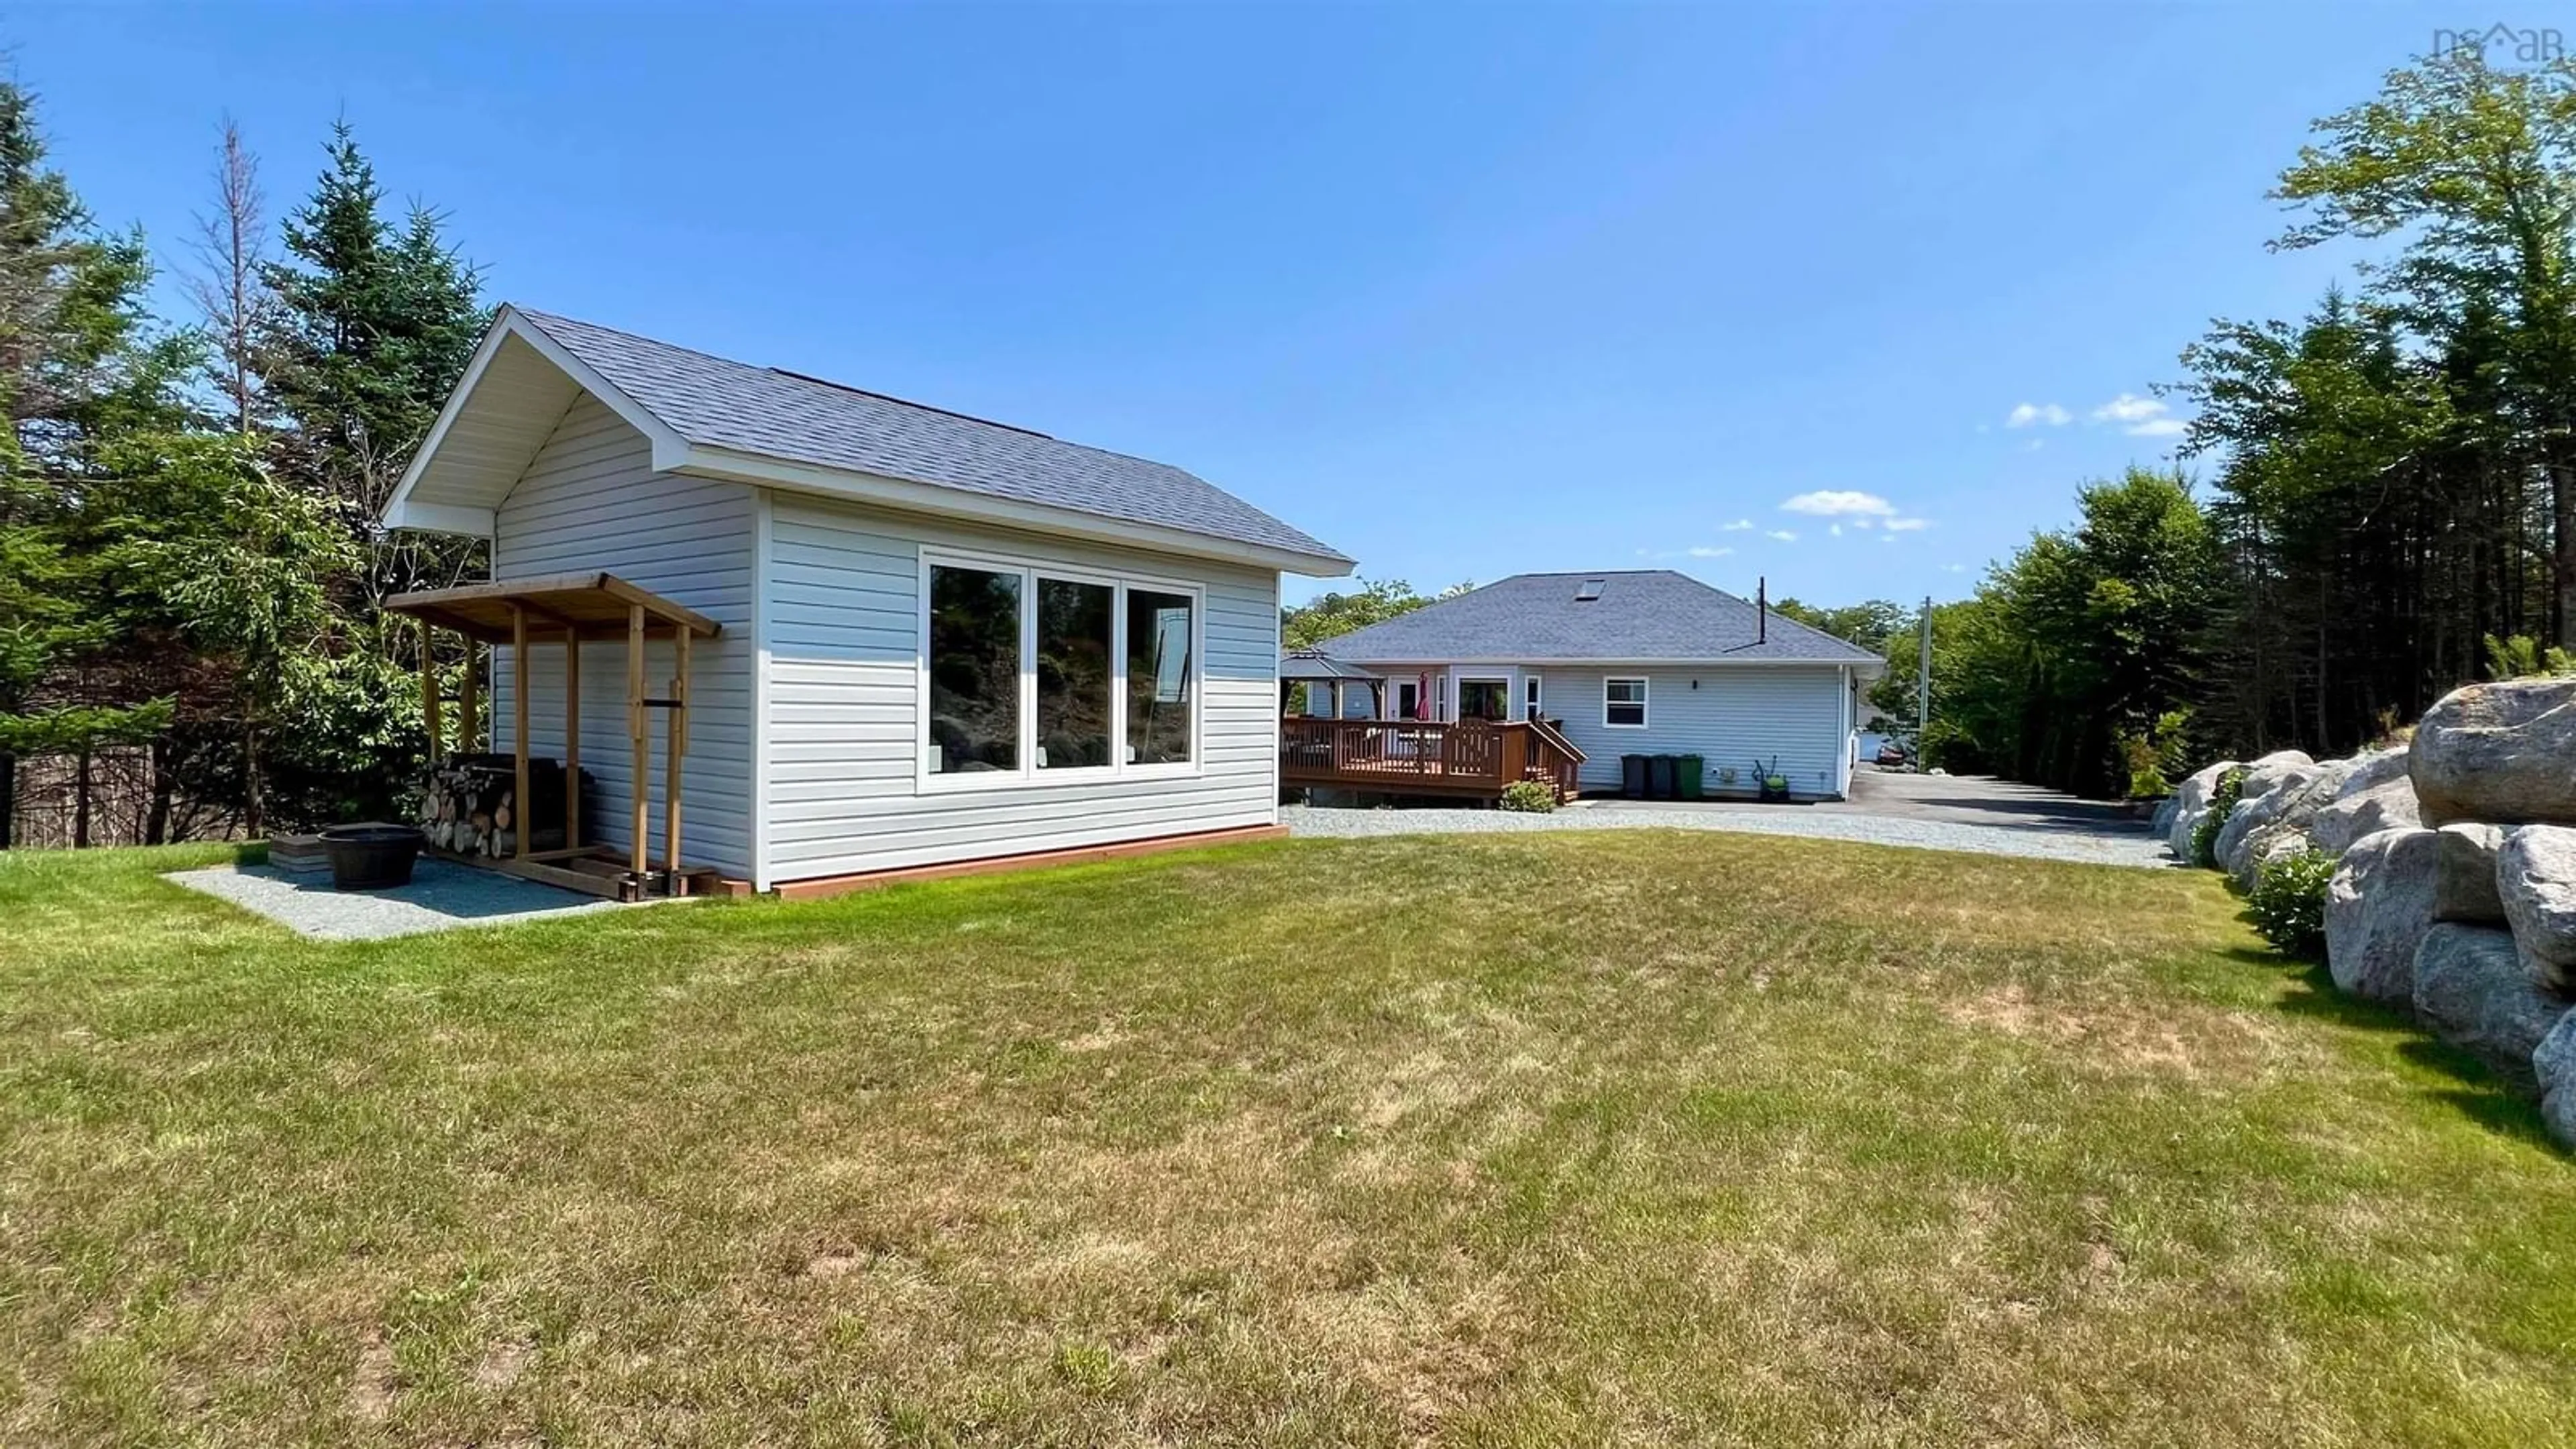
[{"x": 1620, "y": 1137}]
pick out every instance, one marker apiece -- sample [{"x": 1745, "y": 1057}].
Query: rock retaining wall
[{"x": 2471, "y": 924}]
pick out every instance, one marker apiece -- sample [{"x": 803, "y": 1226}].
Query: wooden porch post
[
  {"x": 572, "y": 738},
  {"x": 639, "y": 735},
  {"x": 677, "y": 745},
  {"x": 521, "y": 817},
  {"x": 467, "y": 732},
  {"x": 429, "y": 692}
]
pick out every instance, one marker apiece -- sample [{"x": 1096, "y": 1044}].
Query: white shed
[{"x": 937, "y": 639}]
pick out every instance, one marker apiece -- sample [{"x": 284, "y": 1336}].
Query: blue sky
[{"x": 1462, "y": 290}]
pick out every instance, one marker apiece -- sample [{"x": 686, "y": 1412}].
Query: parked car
[{"x": 1892, "y": 754}]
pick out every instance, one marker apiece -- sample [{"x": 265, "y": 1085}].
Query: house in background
[
  {"x": 916, "y": 638},
  {"x": 1644, "y": 662}
]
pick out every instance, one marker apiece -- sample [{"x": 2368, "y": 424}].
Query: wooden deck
[{"x": 1409, "y": 757}]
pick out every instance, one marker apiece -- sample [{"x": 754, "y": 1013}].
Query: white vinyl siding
[
  {"x": 843, "y": 631},
  {"x": 591, "y": 501},
  {"x": 1735, "y": 715}
]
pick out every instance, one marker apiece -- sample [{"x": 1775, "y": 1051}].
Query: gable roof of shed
[
  {"x": 1641, "y": 616},
  {"x": 708, "y": 415}
]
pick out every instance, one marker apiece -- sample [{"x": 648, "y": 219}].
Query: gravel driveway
[{"x": 2013, "y": 820}]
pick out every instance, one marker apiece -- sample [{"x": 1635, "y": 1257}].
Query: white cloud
[
  {"x": 1835, "y": 529},
  {"x": 1887, "y": 538},
  {"x": 2128, "y": 407},
  {"x": 2026, "y": 415},
  {"x": 1781, "y": 534},
  {"x": 2139, "y": 417},
  {"x": 1908, "y": 525},
  {"x": 1864, "y": 521},
  {"x": 1704, "y": 551},
  {"x": 1837, "y": 502},
  {"x": 1739, "y": 525},
  {"x": 1954, "y": 568}
]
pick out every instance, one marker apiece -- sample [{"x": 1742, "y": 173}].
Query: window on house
[
  {"x": 1483, "y": 699},
  {"x": 1623, "y": 703},
  {"x": 1158, "y": 677},
  {"x": 1030, "y": 675},
  {"x": 1076, "y": 636},
  {"x": 1408, "y": 700},
  {"x": 1529, "y": 691},
  {"x": 974, "y": 670}
]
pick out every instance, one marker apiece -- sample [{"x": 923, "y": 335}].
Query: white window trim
[
  {"x": 1028, "y": 776},
  {"x": 1644, "y": 690},
  {"x": 1533, "y": 700}
]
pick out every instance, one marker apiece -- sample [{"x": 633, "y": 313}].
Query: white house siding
[
  {"x": 843, "y": 630},
  {"x": 1740, "y": 713},
  {"x": 591, "y": 501}
]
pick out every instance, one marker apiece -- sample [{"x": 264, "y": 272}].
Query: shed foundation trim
[{"x": 823, "y": 886}]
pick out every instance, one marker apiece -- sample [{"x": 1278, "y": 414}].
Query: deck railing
[{"x": 1469, "y": 757}]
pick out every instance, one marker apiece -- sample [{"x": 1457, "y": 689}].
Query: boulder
[
  {"x": 2191, "y": 801},
  {"x": 2502, "y": 752},
  {"x": 2378, "y": 907},
  {"x": 2554, "y": 1063},
  {"x": 2274, "y": 770},
  {"x": 2470, "y": 988},
  {"x": 2536, "y": 877},
  {"x": 2377, "y": 795},
  {"x": 2162, "y": 825},
  {"x": 2289, "y": 801},
  {"x": 2464, "y": 875}
]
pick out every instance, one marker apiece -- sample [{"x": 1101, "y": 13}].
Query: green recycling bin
[{"x": 1687, "y": 776}]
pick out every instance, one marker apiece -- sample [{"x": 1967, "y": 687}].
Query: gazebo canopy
[{"x": 1298, "y": 666}]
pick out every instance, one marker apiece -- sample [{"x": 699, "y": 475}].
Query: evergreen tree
[
  {"x": 77, "y": 369},
  {"x": 373, "y": 325}
]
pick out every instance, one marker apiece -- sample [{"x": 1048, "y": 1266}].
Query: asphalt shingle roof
[
  {"x": 1641, "y": 615},
  {"x": 716, "y": 403}
]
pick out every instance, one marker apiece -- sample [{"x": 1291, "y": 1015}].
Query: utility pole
[{"x": 1923, "y": 685}]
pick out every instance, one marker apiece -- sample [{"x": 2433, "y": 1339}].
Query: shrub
[
  {"x": 2289, "y": 904},
  {"x": 2149, "y": 784},
  {"x": 1529, "y": 797},
  {"x": 2222, "y": 803}
]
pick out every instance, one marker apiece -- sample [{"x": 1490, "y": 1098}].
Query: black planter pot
[{"x": 371, "y": 857}]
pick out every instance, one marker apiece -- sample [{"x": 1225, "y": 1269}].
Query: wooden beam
[
  {"x": 677, "y": 747},
  {"x": 562, "y": 595},
  {"x": 467, "y": 698},
  {"x": 429, "y": 690},
  {"x": 572, "y": 740},
  {"x": 520, "y": 814},
  {"x": 639, "y": 734}
]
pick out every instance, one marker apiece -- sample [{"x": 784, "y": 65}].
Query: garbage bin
[
  {"x": 1689, "y": 775},
  {"x": 1632, "y": 776},
  {"x": 1659, "y": 777}
]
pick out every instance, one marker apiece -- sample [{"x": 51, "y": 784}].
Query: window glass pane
[
  {"x": 1625, "y": 701},
  {"x": 974, "y": 670},
  {"x": 1073, "y": 674},
  {"x": 1158, "y": 677},
  {"x": 1532, "y": 711}
]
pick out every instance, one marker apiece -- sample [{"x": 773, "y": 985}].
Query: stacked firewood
[{"x": 469, "y": 805}]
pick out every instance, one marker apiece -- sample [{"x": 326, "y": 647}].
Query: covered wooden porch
[
  {"x": 565, "y": 611},
  {"x": 1471, "y": 758}
]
